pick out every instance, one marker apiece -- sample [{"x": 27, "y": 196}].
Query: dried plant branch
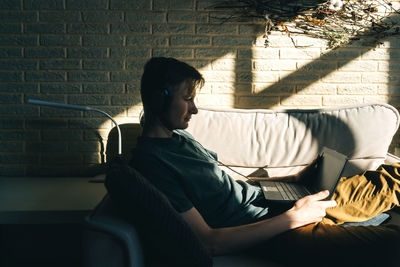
[{"x": 338, "y": 21}]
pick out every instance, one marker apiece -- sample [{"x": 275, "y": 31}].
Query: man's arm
[{"x": 225, "y": 240}]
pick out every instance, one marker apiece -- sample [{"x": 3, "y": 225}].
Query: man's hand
[{"x": 310, "y": 209}]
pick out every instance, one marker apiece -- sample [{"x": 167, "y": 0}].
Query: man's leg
[
  {"x": 334, "y": 245},
  {"x": 360, "y": 198},
  {"x": 364, "y": 196}
]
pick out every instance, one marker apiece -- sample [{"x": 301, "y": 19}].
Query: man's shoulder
[{"x": 184, "y": 133}]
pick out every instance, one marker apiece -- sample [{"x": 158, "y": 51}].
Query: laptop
[{"x": 329, "y": 171}]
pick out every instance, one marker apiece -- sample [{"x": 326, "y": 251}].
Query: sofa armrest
[{"x": 109, "y": 238}]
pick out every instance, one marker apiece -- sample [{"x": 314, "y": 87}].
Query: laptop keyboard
[{"x": 291, "y": 191}]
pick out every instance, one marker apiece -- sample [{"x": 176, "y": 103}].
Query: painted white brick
[
  {"x": 342, "y": 77},
  {"x": 216, "y": 100},
  {"x": 317, "y": 89},
  {"x": 383, "y": 89},
  {"x": 341, "y": 100},
  {"x": 383, "y": 65},
  {"x": 341, "y": 53},
  {"x": 124, "y": 119},
  {"x": 260, "y": 53},
  {"x": 307, "y": 41},
  {"x": 252, "y": 29},
  {"x": 360, "y": 65},
  {"x": 258, "y": 102},
  {"x": 377, "y": 99},
  {"x": 206, "y": 89},
  {"x": 231, "y": 64},
  {"x": 260, "y": 41},
  {"x": 214, "y": 53},
  {"x": 229, "y": 88},
  {"x": 389, "y": 89},
  {"x": 376, "y": 54},
  {"x": 265, "y": 76},
  {"x": 359, "y": 89},
  {"x": 378, "y": 77},
  {"x": 390, "y": 65},
  {"x": 219, "y": 76},
  {"x": 275, "y": 41},
  {"x": 391, "y": 42},
  {"x": 90, "y": 136},
  {"x": 263, "y": 65},
  {"x": 135, "y": 110},
  {"x": 317, "y": 65},
  {"x": 297, "y": 53},
  {"x": 200, "y": 64},
  {"x": 273, "y": 89},
  {"x": 299, "y": 77},
  {"x": 302, "y": 100},
  {"x": 223, "y": 64}
]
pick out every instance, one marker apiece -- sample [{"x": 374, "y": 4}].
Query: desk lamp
[{"x": 83, "y": 108}]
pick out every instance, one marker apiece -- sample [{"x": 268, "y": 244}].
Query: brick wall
[{"x": 91, "y": 52}]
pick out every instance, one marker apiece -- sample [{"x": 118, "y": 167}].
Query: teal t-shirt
[{"x": 189, "y": 176}]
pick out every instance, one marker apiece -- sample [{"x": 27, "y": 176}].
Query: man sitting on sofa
[{"x": 231, "y": 215}]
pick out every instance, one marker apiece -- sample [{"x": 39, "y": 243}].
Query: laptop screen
[{"x": 330, "y": 171}]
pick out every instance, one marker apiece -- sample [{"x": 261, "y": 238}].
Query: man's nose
[{"x": 193, "y": 108}]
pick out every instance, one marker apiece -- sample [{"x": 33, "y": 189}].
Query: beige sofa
[{"x": 262, "y": 142}]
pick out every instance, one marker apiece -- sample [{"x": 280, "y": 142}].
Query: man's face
[{"x": 182, "y": 108}]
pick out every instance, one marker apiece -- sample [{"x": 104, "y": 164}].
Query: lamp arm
[
  {"x": 57, "y": 105},
  {"x": 116, "y": 125}
]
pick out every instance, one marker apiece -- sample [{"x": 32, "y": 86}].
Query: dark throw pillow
[{"x": 166, "y": 238}]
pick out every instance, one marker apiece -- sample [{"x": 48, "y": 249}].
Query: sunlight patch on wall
[
  {"x": 346, "y": 76},
  {"x": 220, "y": 77}
]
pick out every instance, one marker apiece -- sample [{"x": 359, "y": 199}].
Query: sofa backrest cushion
[
  {"x": 129, "y": 134},
  {"x": 281, "y": 138},
  {"x": 167, "y": 239}
]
